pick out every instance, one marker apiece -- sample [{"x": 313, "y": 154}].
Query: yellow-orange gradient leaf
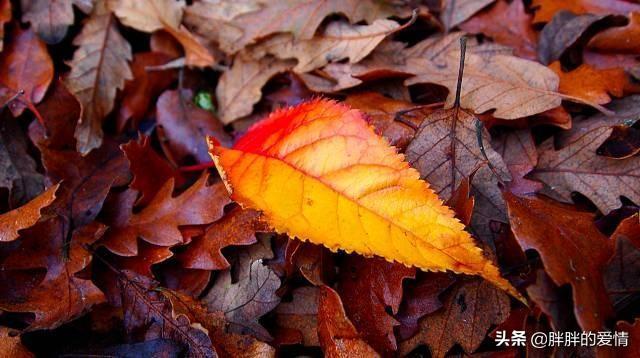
[{"x": 319, "y": 172}]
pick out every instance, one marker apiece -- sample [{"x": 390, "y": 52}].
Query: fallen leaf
[
  {"x": 421, "y": 298},
  {"x": 625, "y": 39},
  {"x": 234, "y": 26},
  {"x": 152, "y": 15},
  {"x": 183, "y": 127},
  {"x": 314, "y": 262},
  {"x": 562, "y": 32},
  {"x": 150, "y": 171},
  {"x": 63, "y": 294},
  {"x": 518, "y": 151},
  {"x": 301, "y": 315},
  {"x": 337, "y": 335},
  {"x": 339, "y": 41},
  {"x": 50, "y": 19},
  {"x": 99, "y": 69},
  {"x": 546, "y": 9},
  {"x": 25, "y": 216},
  {"x": 368, "y": 287},
  {"x": 19, "y": 169},
  {"x": 455, "y": 12},
  {"x": 25, "y": 65},
  {"x": 623, "y": 143},
  {"x": 513, "y": 86},
  {"x": 590, "y": 84},
  {"x": 445, "y": 151},
  {"x": 62, "y": 111},
  {"x": 464, "y": 319},
  {"x": 623, "y": 269},
  {"x": 320, "y": 152},
  {"x": 237, "y": 227},
  {"x": 575, "y": 167},
  {"x": 240, "y": 86},
  {"x": 633, "y": 348},
  {"x": 140, "y": 92},
  {"x": 158, "y": 222},
  {"x": 11, "y": 344},
  {"x": 149, "y": 315},
  {"x": 250, "y": 296},
  {"x": 572, "y": 249},
  {"x": 508, "y": 24}
]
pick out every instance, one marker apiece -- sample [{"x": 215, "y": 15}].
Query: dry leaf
[
  {"x": 590, "y": 84},
  {"x": 348, "y": 189},
  {"x": 240, "y": 87},
  {"x": 625, "y": 39},
  {"x": 546, "y": 9},
  {"x": 50, "y": 18},
  {"x": 98, "y": 69},
  {"x": 455, "y": 12},
  {"x": 11, "y": 344},
  {"x": 25, "y": 216}
]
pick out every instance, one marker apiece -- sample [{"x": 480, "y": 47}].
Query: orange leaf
[
  {"x": 620, "y": 39},
  {"x": 546, "y": 9},
  {"x": 319, "y": 172},
  {"x": 590, "y": 84},
  {"x": 25, "y": 216}
]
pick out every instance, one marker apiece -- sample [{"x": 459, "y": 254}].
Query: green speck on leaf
[{"x": 204, "y": 100}]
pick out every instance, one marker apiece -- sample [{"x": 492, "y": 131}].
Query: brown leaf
[
  {"x": 240, "y": 86},
  {"x": 625, "y": 39},
  {"x": 25, "y": 216},
  {"x": 562, "y": 32},
  {"x": 25, "y": 65},
  {"x": 519, "y": 153},
  {"x": 382, "y": 112},
  {"x": 149, "y": 315},
  {"x": 623, "y": 269},
  {"x": 19, "y": 170},
  {"x": 234, "y": 26},
  {"x": 150, "y": 171},
  {"x": 98, "y": 69},
  {"x": 11, "y": 345},
  {"x": 300, "y": 315},
  {"x": 575, "y": 167},
  {"x": 455, "y": 12},
  {"x": 337, "y": 335},
  {"x": 633, "y": 348},
  {"x": 158, "y": 222},
  {"x": 339, "y": 41},
  {"x": 623, "y": 143},
  {"x": 183, "y": 127},
  {"x": 572, "y": 249},
  {"x": 589, "y": 84},
  {"x": 237, "y": 227},
  {"x": 546, "y": 9},
  {"x": 367, "y": 287},
  {"x": 50, "y": 19},
  {"x": 314, "y": 262},
  {"x": 553, "y": 301},
  {"x": 140, "y": 92},
  {"x": 62, "y": 111},
  {"x": 153, "y": 15},
  {"x": 63, "y": 294},
  {"x": 421, "y": 298},
  {"x": 508, "y": 24},
  {"x": 248, "y": 297},
  {"x": 445, "y": 151},
  {"x": 469, "y": 310}
]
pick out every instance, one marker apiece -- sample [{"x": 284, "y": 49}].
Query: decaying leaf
[
  {"x": 317, "y": 152},
  {"x": 11, "y": 345},
  {"x": 99, "y": 69},
  {"x": 25, "y": 216}
]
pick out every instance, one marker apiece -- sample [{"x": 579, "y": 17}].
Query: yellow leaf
[{"x": 319, "y": 172}]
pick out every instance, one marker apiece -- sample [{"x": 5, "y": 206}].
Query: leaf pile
[{"x": 303, "y": 177}]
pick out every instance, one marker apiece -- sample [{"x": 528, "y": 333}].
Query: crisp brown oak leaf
[{"x": 99, "y": 69}]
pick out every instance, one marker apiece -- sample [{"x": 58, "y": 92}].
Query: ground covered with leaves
[{"x": 120, "y": 236}]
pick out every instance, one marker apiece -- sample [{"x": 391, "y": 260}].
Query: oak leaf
[
  {"x": 623, "y": 269},
  {"x": 455, "y": 12},
  {"x": 546, "y": 9},
  {"x": 508, "y": 24},
  {"x": 300, "y": 316},
  {"x": 469, "y": 309},
  {"x": 572, "y": 249},
  {"x": 339, "y": 41},
  {"x": 624, "y": 39},
  {"x": 99, "y": 69},
  {"x": 25, "y": 216},
  {"x": 342, "y": 180},
  {"x": 153, "y": 15},
  {"x": 240, "y": 87},
  {"x": 251, "y": 295},
  {"x": 590, "y": 84},
  {"x": 337, "y": 335},
  {"x": 25, "y": 65},
  {"x": 519, "y": 153},
  {"x": 158, "y": 222}
]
